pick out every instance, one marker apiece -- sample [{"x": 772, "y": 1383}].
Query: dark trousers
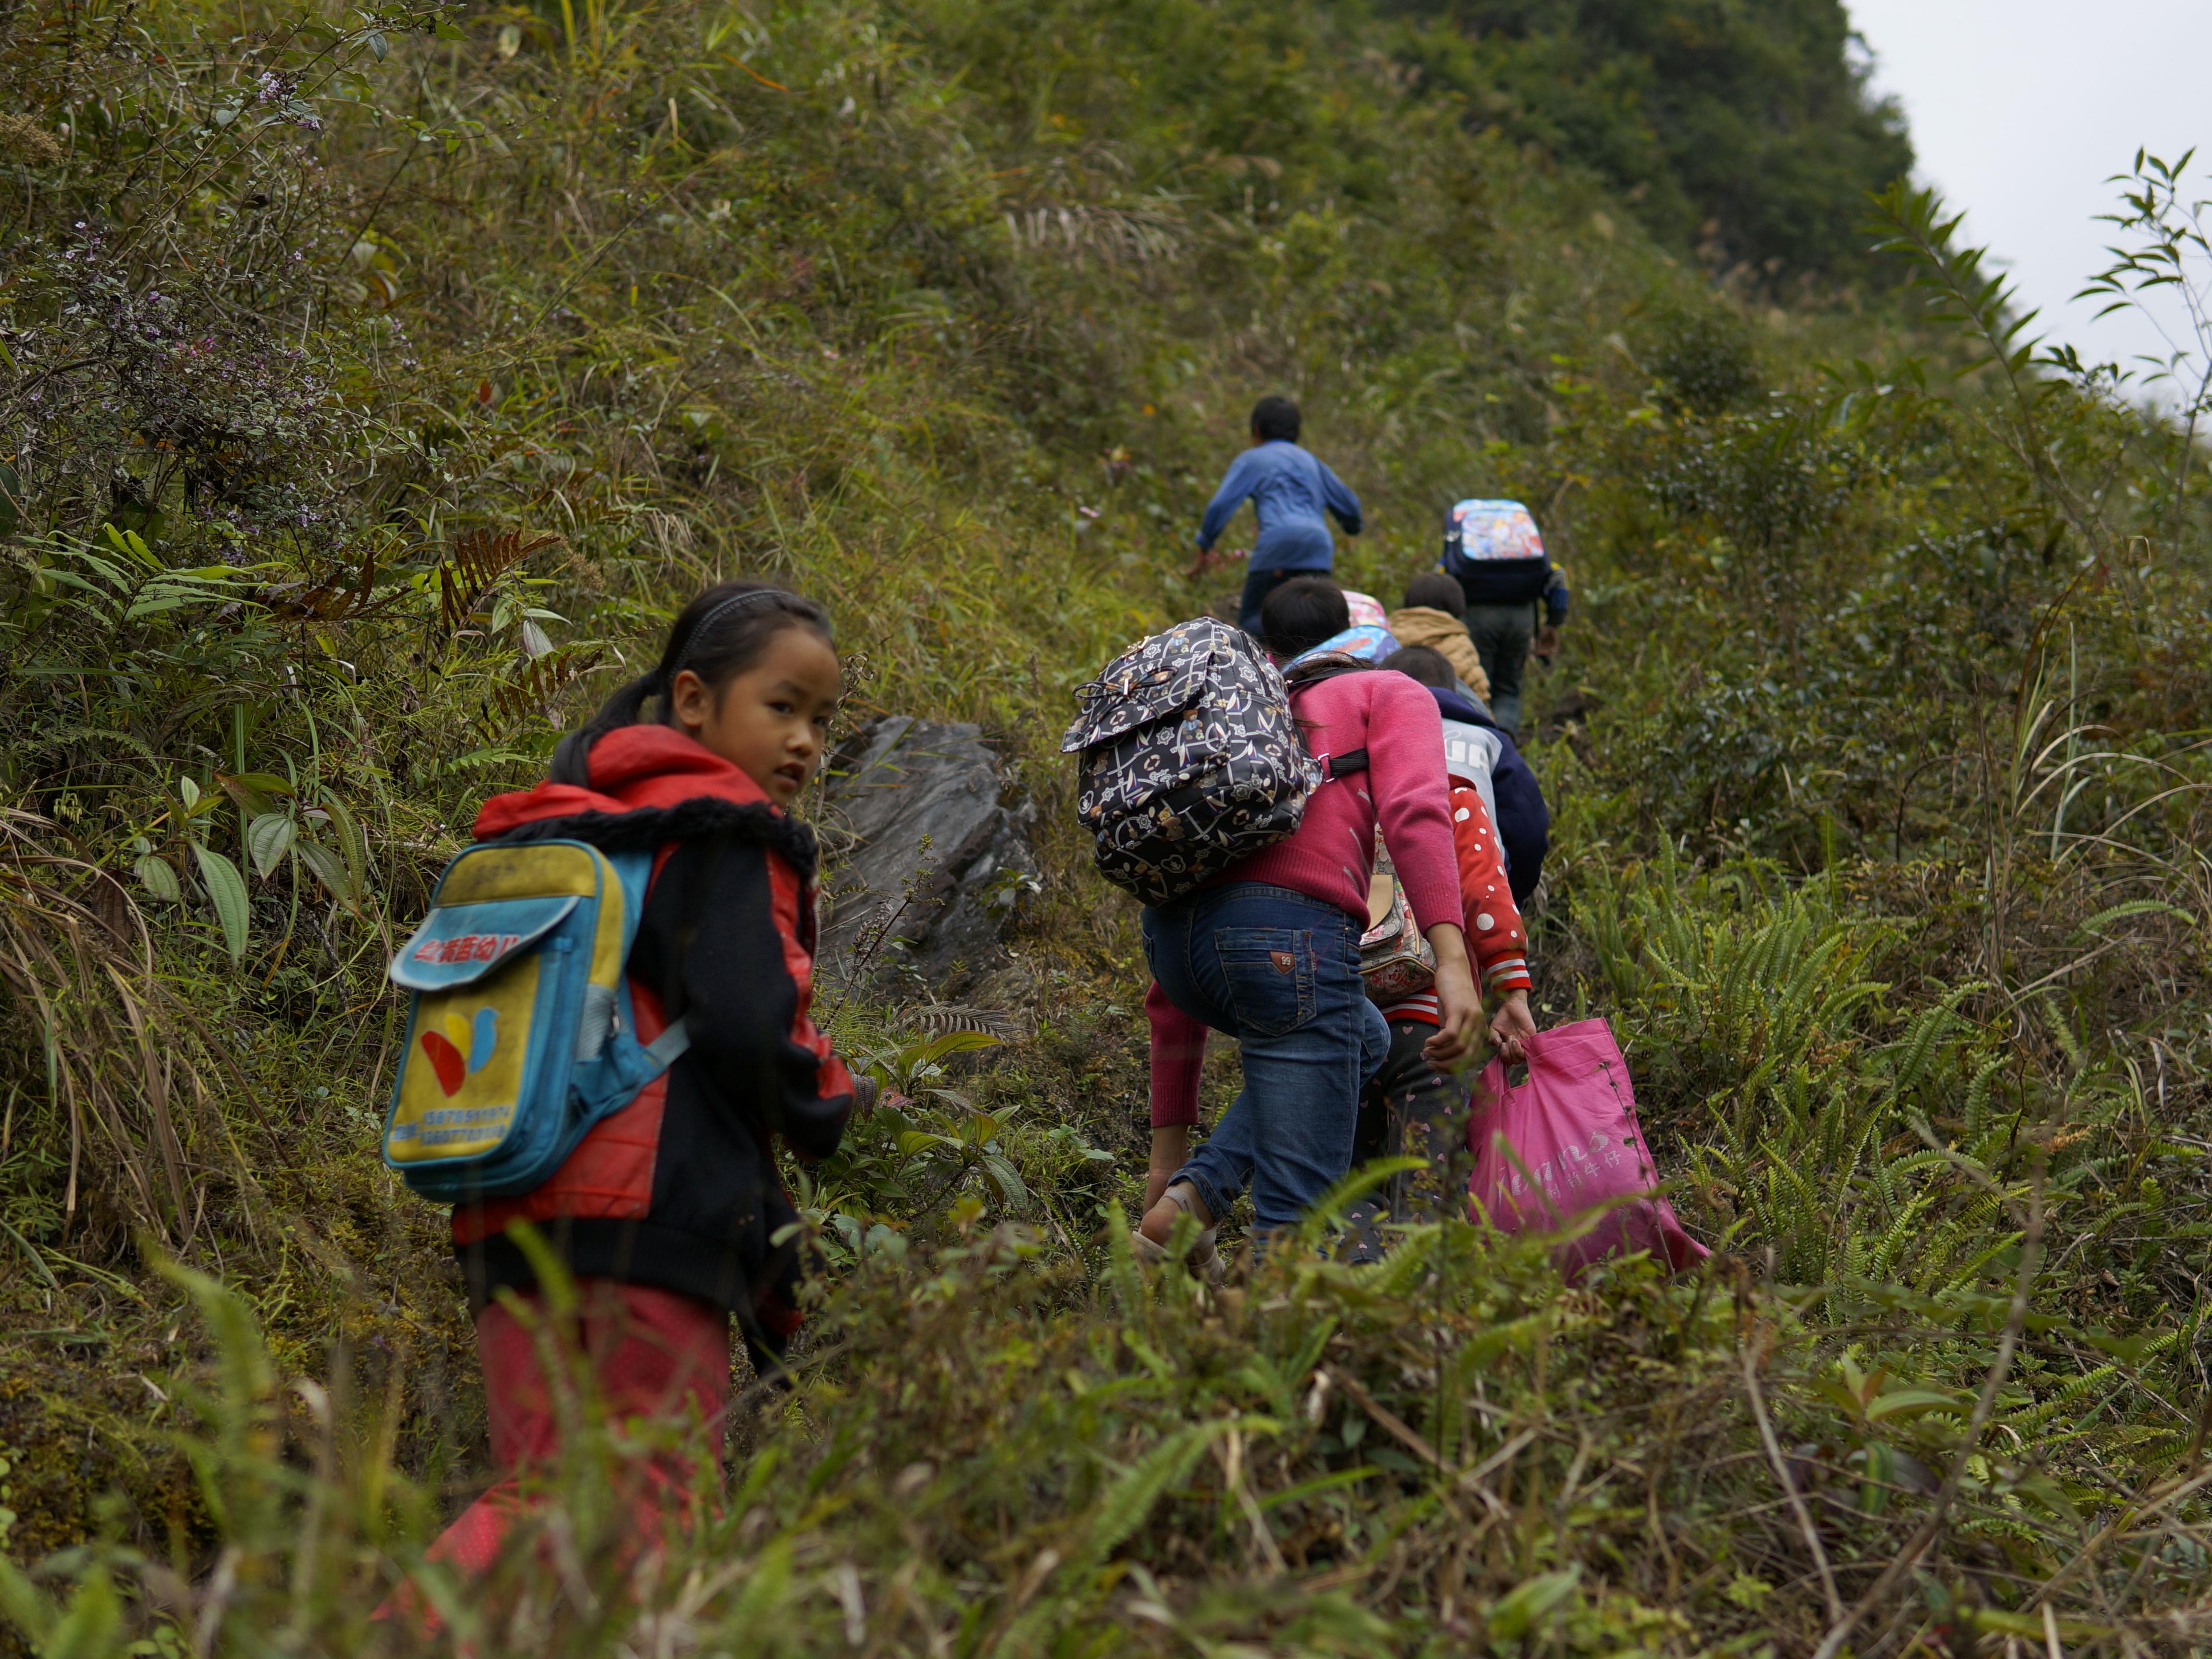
[
  {"x": 1411, "y": 1110},
  {"x": 1502, "y": 636},
  {"x": 1258, "y": 584}
]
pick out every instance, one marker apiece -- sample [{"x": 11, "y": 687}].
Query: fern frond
[
  {"x": 1919, "y": 1044},
  {"x": 1977, "y": 1106},
  {"x": 479, "y": 558},
  {"x": 530, "y": 694},
  {"x": 941, "y": 1017}
]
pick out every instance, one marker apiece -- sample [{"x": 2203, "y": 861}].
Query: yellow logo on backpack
[{"x": 462, "y": 1083}]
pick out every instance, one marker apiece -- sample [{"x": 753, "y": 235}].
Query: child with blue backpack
[{"x": 668, "y": 1212}]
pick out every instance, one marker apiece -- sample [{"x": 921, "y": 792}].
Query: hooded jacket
[
  {"x": 1524, "y": 822},
  {"x": 679, "y": 1188},
  {"x": 1446, "y": 635}
]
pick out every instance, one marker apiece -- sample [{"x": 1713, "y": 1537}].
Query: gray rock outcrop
[{"x": 925, "y": 862}]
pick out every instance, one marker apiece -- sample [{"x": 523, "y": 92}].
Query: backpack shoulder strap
[
  {"x": 634, "y": 868},
  {"x": 1307, "y": 675}
]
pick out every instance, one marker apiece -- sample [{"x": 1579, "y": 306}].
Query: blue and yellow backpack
[{"x": 520, "y": 1035}]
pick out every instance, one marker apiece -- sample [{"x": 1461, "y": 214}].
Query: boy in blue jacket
[{"x": 1288, "y": 490}]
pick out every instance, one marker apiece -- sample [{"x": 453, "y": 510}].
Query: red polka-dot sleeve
[{"x": 1495, "y": 935}]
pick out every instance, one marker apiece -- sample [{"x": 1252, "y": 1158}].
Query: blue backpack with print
[{"x": 520, "y": 1035}]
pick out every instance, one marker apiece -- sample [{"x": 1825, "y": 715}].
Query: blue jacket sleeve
[
  {"x": 1235, "y": 486},
  {"x": 1555, "y": 598},
  {"x": 1340, "y": 500},
  {"x": 1524, "y": 822}
]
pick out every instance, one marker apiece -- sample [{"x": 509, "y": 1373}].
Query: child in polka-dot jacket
[
  {"x": 1409, "y": 1107},
  {"x": 1495, "y": 934}
]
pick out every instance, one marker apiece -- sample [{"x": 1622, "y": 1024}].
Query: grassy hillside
[{"x": 375, "y": 386}]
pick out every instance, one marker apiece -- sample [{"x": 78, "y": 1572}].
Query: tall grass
[
  {"x": 998, "y": 1452},
  {"x": 375, "y": 387}
]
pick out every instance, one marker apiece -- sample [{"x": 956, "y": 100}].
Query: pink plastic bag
[{"x": 1572, "y": 1126}]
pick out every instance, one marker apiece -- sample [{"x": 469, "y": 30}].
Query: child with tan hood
[{"x": 1434, "y": 616}]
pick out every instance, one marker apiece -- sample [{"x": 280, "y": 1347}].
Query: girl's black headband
[{"x": 768, "y": 595}]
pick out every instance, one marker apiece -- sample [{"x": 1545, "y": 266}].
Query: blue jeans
[{"x": 1280, "y": 972}]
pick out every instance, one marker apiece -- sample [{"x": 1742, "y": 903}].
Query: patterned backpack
[
  {"x": 1190, "y": 758},
  {"x": 1495, "y": 550},
  {"x": 1394, "y": 960}
]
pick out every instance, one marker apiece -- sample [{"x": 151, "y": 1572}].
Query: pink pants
[{"x": 650, "y": 1354}]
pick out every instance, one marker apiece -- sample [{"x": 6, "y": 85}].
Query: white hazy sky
[{"x": 2021, "y": 109}]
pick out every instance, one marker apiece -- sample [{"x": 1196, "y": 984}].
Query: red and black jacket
[{"x": 679, "y": 1188}]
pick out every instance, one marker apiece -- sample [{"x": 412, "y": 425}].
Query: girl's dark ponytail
[
  {"x": 571, "y": 759},
  {"x": 718, "y": 636}
]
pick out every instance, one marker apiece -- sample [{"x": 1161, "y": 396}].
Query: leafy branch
[
  {"x": 1914, "y": 225},
  {"x": 2163, "y": 245}
]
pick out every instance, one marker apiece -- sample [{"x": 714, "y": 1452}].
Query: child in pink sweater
[{"x": 1269, "y": 953}]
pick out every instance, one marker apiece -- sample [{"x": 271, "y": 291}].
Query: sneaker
[
  {"x": 1361, "y": 1243},
  {"x": 1204, "y": 1259}
]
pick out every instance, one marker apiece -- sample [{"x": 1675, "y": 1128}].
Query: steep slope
[{"x": 377, "y": 385}]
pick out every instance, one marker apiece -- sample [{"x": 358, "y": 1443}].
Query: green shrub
[{"x": 376, "y": 386}]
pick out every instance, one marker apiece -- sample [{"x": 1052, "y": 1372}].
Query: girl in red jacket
[{"x": 668, "y": 1214}]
